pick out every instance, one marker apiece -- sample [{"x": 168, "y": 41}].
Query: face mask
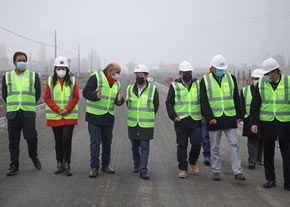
[
  {"x": 140, "y": 80},
  {"x": 21, "y": 66},
  {"x": 255, "y": 82},
  {"x": 219, "y": 73},
  {"x": 267, "y": 78},
  {"x": 61, "y": 73},
  {"x": 187, "y": 77},
  {"x": 116, "y": 76}
]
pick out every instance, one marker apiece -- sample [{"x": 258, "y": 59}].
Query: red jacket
[{"x": 54, "y": 107}]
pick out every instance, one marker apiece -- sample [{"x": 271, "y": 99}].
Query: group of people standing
[{"x": 201, "y": 112}]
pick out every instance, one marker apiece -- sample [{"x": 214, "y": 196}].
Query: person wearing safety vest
[
  {"x": 222, "y": 109},
  {"x": 143, "y": 103},
  {"x": 183, "y": 107},
  {"x": 254, "y": 143},
  {"x": 21, "y": 89},
  {"x": 270, "y": 116},
  {"x": 103, "y": 92},
  {"x": 61, "y": 98}
]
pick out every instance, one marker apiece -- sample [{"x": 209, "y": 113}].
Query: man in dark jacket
[
  {"x": 183, "y": 107},
  {"x": 21, "y": 89},
  {"x": 143, "y": 103},
  {"x": 222, "y": 109},
  {"x": 270, "y": 109},
  {"x": 254, "y": 146},
  {"x": 102, "y": 92}
]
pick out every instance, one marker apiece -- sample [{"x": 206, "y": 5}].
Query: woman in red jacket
[{"x": 61, "y": 98}]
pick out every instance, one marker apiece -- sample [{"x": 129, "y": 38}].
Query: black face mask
[
  {"x": 187, "y": 77},
  {"x": 140, "y": 80}
]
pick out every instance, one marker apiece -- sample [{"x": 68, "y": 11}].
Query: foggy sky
[{"x": 151, "y": 31}]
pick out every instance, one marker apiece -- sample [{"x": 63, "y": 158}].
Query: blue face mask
[
  {"x": 266, "y": 78},
  {"x": 21, "y": 66},
  {"x": 219, "y": 73}
]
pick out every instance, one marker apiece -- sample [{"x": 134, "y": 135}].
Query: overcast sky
[{"x": 151, "y": 31}]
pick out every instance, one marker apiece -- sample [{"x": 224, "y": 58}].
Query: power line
[{"x": 31, "y": 40}]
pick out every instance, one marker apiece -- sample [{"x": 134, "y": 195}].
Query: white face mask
[
  {"x": 116, "y": 76},
  {"x": 61, "y": 73},
  {"x": 255, "y": 82}
]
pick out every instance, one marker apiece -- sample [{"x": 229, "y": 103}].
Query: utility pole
[
  {"x": 55, "y": 44},
  {"x": 91, "y": 60},
  {"x": 30, "y": 55},
  {"x": 79, "y": 69}
]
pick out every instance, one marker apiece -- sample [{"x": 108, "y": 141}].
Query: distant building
[{"x": 4, "y": 64}]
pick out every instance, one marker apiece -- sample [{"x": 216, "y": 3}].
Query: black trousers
[
  {"x": 15, "y": 126},
  {"x": 182, "y": 135},
  {"x": 269, "y": 152},
  {"x": 63, "y": 142}
]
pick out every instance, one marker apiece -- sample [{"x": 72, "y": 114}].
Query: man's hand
[
  {"x": 120, "y": 96},
  {"x": 254, "y": 129},
  {"x": 177, "y": 119},
  {"x": 239, "y": 120},
  {"x": 213, "y": 121},
  {"x": 64, "y": 112},
  {"x": 99, "y": 95}
]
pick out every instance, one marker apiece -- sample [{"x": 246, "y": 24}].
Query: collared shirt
[
  {"x": 187, "y": 86},
  {"x": 140, "y": 90},
  {"x": 20, "y": 76}
]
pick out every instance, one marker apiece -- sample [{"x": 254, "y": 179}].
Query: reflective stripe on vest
[
  {"x": 61, "y": 97},
  {"x": 220, "y": 98},
  {"x": 107, "y": 102},
  {"x": 247, "y": 93},
  {"x": 20, "y": 95},
  {"x": 275, "y": 103},
  {"x": 141, "y": 109},
  {"x": 187, "y": 102}
]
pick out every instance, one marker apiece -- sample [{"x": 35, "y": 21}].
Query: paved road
[{"x": 43, "y": 188}]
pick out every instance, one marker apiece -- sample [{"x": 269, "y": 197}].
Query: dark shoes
[
  {"x": 135, "y": 170},
  {"x": 240, "y": 176},
  {"x": 108, "y": 170},
  {"x": 206, "y": 161},
  {"x": 12, "y": 171},
  {"x": 251, "y": 166},
  {"x": 67, "y": 170},
  {"x": 37, "y": 163},
  {"x": 144, "y": 176},
  {"x": 93, "y": 173},
  {"x": 59, "y": 168},
  {"x": 270, "y": 184},
  {"x": 287, "y": 188},
  {"x": 216, "y": 177}
]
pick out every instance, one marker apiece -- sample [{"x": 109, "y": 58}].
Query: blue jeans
[
  {"x": 100, "y": 135},
  {"x": 140, "y": 150},
  {"x": 205, "y": 141}
]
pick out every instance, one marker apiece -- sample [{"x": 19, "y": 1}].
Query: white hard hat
[
  {"x": 257, "y": 73},
  {"x": 219, "y": 62},
  {"x": 61, "y": 61},
  {"x": 185, "y": 66},
  {"x": 141, "y": 69},
  {"x": 269, "y": 64}
]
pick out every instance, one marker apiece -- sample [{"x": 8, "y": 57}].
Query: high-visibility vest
[
  {"x": 21, "y": 95},
  {"x": 107, "y": 102},
  {"x": 275, "y": 103},
  {"x": 220, "y": 98},
  {"x": 247, "y": 93},
  {"x": 61, "y": 99},
  {"x": 187, "y": 102},
  {"x": 141, "y": 109}
]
